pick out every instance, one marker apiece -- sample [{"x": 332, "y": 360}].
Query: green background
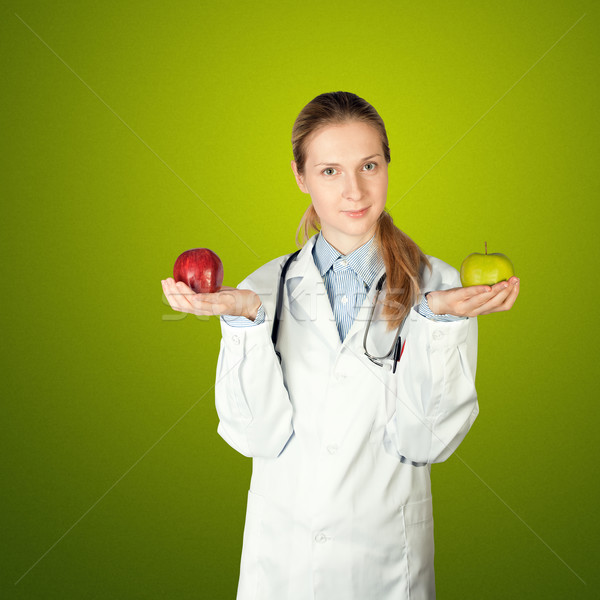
[{"x": 132, "y": 131}]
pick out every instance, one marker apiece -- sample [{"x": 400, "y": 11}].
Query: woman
[{"x": 343, "y": 427}]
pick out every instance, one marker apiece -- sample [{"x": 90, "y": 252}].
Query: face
[{"x": 346, "y": 176}]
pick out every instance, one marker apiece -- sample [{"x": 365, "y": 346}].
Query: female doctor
[{"x": 370, "y": 379}]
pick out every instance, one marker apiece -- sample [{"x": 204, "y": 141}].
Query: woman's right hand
[{"x": 227, "y": 301}]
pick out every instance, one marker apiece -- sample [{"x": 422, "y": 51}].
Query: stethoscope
[{"x": 395, "y": 351}]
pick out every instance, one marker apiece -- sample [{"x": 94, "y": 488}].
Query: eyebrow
[{"x": 332, "y": 164}]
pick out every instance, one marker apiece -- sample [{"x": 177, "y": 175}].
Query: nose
[{"x": 351, "y": 189}]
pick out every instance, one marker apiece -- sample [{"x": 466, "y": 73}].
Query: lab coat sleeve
[
  {"x": 436, "y": 400},
  {"x": 253, "y": 405}
]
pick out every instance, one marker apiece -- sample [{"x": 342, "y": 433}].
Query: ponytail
[
  {"x": 309, "y": 223},
  {"x": 404, "y": 264}
]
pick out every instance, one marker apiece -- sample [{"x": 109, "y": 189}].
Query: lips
[{"x": 356, "y": 214}]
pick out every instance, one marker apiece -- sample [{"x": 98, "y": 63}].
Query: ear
[{"x": 299, "y": 178}]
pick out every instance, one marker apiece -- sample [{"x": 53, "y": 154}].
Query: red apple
[{"x": 199, "y": 268}]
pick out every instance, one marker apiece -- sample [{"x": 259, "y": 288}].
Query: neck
[{"x": 345, "y": 245}]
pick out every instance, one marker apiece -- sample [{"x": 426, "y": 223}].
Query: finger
[
  {"x": 169, "y": 293},
  {"x": 183, "y": 299},
  {"x": 213, "y": 295},
  {"x": 475, "y": 290},
  {"x": 514, "y": 292},
  {"x": 506, "y": 291},
  {"x": 503, "y": 301},
  {"x": 184, "y": 294},
  {"x": 501, "y": 293},
  {"x": 483, "y": 297},
  {"x": 491, "y": 289},
  {"x": 175, "y": 295},
  {"x": 487, "y": 302}
]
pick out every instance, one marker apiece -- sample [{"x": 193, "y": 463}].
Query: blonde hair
[{"x": 404, "y": 261}]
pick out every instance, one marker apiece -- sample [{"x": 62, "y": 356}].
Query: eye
[
  {"x": 370, "y": 166},
  {"x": 329, "y": 171}
]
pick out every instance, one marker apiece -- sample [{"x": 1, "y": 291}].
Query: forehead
[{"x": 350, "y": 141}]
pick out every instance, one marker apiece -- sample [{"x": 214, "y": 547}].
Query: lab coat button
[
  {"x": 438, "y": 334},
  {"x": 236, "y": 340},
  {"x": 332, "y": 448},
  {"x": 320, "y": 538}
]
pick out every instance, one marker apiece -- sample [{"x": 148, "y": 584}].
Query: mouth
[{"x": 355, "y": 214}]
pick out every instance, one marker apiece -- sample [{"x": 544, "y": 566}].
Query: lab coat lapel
[{"x": 307, "y": 296}]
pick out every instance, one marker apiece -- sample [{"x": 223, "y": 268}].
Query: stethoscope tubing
[{"x": 397, "y": 347}]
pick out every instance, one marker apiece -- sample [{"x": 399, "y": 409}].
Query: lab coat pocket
[
  {"x": 249, "y": 570},
  {"x": 418, "y": 527}
]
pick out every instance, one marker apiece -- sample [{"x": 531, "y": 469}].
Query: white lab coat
[{"x": 338, "y": 508}]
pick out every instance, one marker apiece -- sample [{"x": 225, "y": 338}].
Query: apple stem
[{"x": 485, "y": 247}]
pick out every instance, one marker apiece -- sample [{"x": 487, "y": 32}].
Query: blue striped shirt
[{"x": 348, "y": 278}]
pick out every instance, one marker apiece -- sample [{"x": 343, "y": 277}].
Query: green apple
[{"x": 485, "y": 269}]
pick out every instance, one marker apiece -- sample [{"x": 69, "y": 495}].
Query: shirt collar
[{"x": 365, "y": 261}]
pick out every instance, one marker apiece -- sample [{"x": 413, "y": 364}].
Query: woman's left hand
[{"x": 475, "y": 300}]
